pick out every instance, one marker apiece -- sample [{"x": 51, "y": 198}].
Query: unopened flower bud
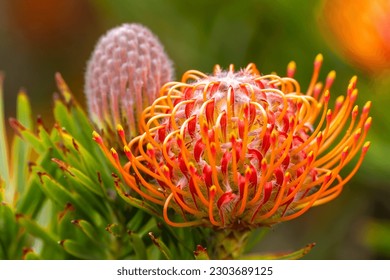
[{"x": 124, "y": 75}]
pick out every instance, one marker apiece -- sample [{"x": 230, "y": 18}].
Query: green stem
[{"x": 228, "y": 244}]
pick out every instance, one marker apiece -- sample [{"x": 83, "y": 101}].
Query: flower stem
[{"x": 228, "y": 244}]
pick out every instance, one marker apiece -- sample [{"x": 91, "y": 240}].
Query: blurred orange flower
[{"x": 360, "y": 29}]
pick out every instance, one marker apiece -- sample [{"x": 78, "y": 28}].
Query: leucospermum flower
[
  {"x": 124, "y": 75},
  {"x": 237, "y": 149}
]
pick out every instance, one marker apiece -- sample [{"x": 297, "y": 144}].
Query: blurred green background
[{"x": 41, "y": 37}]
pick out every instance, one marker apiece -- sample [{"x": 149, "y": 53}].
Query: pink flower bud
[{"x": 124, "y": 75}]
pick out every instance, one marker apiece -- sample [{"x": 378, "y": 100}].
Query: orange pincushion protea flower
[{"x": 239, "y": 149}]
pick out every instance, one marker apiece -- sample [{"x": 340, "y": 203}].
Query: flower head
[
  {"x": 124, "y": 75},
  {"x": 237, "y": 149}
]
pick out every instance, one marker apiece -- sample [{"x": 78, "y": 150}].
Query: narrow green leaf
[
  {"x": 46, "y": 138},
  {"x": 115, "y": 230},
  {"x": 138, "y": 245},
  {"x": 21, "y": 149},
  {"x": 136, "y": 221},
  {"x": 4, "y": 165},
  {"x": 149, "y": 226},
  {"x": 82, "y": 251},
  {"x": 34, "y": 141},
  {"x": 32, "y": 256},
  {"x": 20, "y": 154},
  {"x": 38, "y": 231},
  {"x": 89, "y": 230},
  {"x": 31, "y": 199},
  {"x": 282, "y": 256},
  {"x": 23, "y": 108},
  {"x": 2, "y": 189},
  {"x": 8, "y": 227},
  {"x": 89, "y": 161},
  {"x": 82, "y": 186},
  {"x": 74, "y": 123},
  {"x": 161, "y": 246},
  {"x": 62, "y": 196},
  {"x": 136, "y": 202},
  {"x": 254, "y": 238},
  {"x": 80, "y": 178},
  {"x": 64, "y": 89}
]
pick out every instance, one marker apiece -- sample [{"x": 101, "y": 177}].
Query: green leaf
[
  {"x": 8, "y": 229},
  {"x": 149, "y": 226},
  {"x": 138, "y": 246},
  {"x": 2, "y": 190},
  {"x": 36, "y": 143},
  {"x": 83, "y": 187},
  {"x": 140, "y": 204},
  {"x": 161, "y": 246},
  {"x": 23, "y": 107},
  {"x": 62, "y": 196},
  {"x": 80, "y": 178},
  {"x": 115, "y": 230},
  {"x": 82, "y": 251},
  {"x": 254, "y": 238},
  {"x": 4, "y": 164},
  {"x": 74, "y": 121},
  {"x": 38, "y": 231},
  {"x": 282, "y": 256},
  {"x": 20, "y": 149},
  {"x": 89, "y": 161},
  {"x": 31, "y": 255},
  {"x": 89, "y": 230},
  {"x": 31, "y": 199}
]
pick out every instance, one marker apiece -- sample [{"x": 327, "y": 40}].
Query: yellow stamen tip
[
  {"x": 119, "y": 127},
  {"x": 354, "y": 94},
  {"x": 367, "y": 106},
  {"x": 232, "y": 135},
  {"x": 367, "y": 124},
  {"x": 319, "y": 58},
  {"x": 165, "y": 168},
  {"x": 332, "y": 74},
  {"x": 366, "y": 146},
  {"x": 291, "y": 67},
  {"x": 353, "y": 80},
  {"x": 326, "y": 95},
  {"x": 96, "y": 137},
  {"x": 340, "y": 99},
  {"x": 149, "y": 147}
]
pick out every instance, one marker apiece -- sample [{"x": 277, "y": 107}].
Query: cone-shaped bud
[{"x": 124, "y": 75}]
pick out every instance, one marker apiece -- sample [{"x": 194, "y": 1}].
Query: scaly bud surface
[{"x": 124, "y": 75}]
